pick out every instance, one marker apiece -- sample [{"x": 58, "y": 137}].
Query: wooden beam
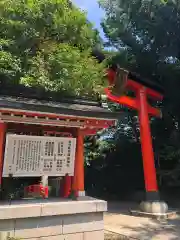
[
  {"x": 150, "y": 92},
  {"x": 48, "y": 119},
  {"x": 124, "y": 100}
]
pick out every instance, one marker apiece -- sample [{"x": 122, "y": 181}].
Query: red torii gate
[{"x": 140, "y": 103}]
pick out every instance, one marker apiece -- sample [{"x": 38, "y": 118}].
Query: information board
[{"x": 38, "y": 155}]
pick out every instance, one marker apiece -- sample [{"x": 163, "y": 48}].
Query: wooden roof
[
  {"x": 19, "y": 104},
  {"x": 67, "y": 107},
  {"x": 132, "y": 75}
]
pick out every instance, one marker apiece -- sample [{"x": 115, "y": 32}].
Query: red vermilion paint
[{"x": 141, "y": 104}]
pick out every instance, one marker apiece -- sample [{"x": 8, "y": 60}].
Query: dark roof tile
[{"x": 81, "y": 108}]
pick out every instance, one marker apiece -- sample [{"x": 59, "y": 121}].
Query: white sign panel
[{"x": 37, "y": 156}]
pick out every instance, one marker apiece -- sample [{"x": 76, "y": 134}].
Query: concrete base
[
  {"x": 53, "y": 220},
  {"x": 154, "y": 209},
  {"x": 168, "y": 215}
]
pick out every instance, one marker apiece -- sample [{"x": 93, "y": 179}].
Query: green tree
[
  {"x": 145, "y": 34},
  {"x": 48, "y": 43}
]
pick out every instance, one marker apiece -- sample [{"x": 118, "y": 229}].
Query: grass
[
  {"x": 7, "y": 237},
  {"x": 114, "y": 236}
]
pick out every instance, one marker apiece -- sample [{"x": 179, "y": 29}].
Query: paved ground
[{"x": 119, "y": 221}]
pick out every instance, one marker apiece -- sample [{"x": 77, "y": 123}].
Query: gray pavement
[{"x": 118, "y": 220}]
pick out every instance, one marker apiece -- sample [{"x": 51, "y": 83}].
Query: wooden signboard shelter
[
  {"x": 22, "y": 114},
  {"x": 36, "y": 134}
]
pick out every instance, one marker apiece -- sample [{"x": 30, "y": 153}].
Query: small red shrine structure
[
  {"x": 21, "y": 114},
  {"x": 41, "y": 138}
]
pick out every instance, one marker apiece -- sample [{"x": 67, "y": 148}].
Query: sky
[{"x": 94, "y": 12}]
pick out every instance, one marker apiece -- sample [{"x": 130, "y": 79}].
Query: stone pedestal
[
  {"x": 53, "y": 220},
  {"x": 154, "y": 207}
]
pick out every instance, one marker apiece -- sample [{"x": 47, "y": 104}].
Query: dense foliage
[
  {"x": 48, "y": 43},
  {"x": 145, "y": 35}
]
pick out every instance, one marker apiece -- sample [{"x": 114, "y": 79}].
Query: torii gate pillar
[
  {"x": 147, "y": 150},
  {"x": 152, "y": 203}
]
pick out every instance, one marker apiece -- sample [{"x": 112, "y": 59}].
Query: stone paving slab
[{"x": 118, "y": 221}]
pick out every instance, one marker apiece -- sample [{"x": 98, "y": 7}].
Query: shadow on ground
[{"x": 119, "y": 221}]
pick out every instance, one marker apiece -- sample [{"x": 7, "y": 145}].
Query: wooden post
[
  {"x": 2, "y": 142},
  {"x": 78, "y": 179},
  {"x": 147, "y": 150},
  {"x": 66, "y": 186}
]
